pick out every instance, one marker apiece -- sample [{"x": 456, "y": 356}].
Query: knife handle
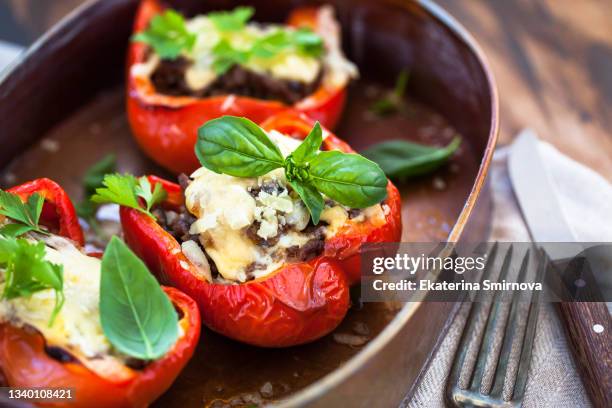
[{"x": 589, "y": 329}]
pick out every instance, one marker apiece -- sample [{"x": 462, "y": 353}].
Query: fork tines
[{"x": 492, "y": 360}]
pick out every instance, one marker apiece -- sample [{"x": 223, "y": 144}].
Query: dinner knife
[{"x": 588, "y": 324}]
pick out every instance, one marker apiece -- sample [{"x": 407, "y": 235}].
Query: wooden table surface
[
  {"x": 552, "y": 60},
  {"x": 553, "y": 63}
]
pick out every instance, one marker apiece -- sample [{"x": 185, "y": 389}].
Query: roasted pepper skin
[
  {"x": 166, "y": 126},
  {"x": 24, "y": 361},
  {"x": 58, "y": 212},
  {"x": 345, "y": 245},
  {"x": 296, "y": 304}
]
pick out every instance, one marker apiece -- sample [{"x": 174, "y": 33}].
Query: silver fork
[{"x": 492, "y": 361}]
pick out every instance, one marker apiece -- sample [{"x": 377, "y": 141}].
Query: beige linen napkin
[{"x": 586, "y": 201}]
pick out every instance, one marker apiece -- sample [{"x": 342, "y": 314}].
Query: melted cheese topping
[
  {"x": 226, "y": 207},
  {"x": 77, "y": 327},
  {"x": 286, "y": 65}
]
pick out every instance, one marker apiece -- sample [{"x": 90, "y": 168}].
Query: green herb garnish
[
  {"x": 393, "y": 101},
  {"x": 137, "y": 316},
  {"x": 227, "y": 56},
  {"x": 401, "y": 159},
  {"x": 234, "y": 20},
  {"x": 27, "y": 271},
  {"x": 92, "y": 180},
  {"x": 167, "y": 34},
  {"x": 125, "y": 190},
  {"x": 238, "y": 147},
  {"x": 302, "y": 41},
  {"x": 26, "y": 215}
]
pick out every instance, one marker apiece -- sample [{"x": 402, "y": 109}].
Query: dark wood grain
[
  {"x": 552, "y": 60},
  {"x": 589, "y": 327}
]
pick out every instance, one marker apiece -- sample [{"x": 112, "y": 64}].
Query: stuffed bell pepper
[
  {"x": 184, "y": 72},
  {"x": 63, "y": 324},
  {"x": 266, "y": 235}
]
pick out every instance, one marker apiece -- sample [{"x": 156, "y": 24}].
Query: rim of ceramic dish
[{"x": 329, "y": 381}]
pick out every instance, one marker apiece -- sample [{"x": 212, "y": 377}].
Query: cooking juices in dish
[
  {"x": 58, "y": 317},
  {"x": 183, "y": 72},
  {"x": 266, "y": 255}
]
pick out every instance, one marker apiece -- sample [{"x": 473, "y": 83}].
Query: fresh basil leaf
[
  {"x": 94, "y": 176},
  {"x": 92, "y": 180},
  {"x": 167, "y": 34},
  {"x": 233, "y": 20},
  {"x": 27, "y": 213},
  {"x": 27, "y": 271},
  {"x": 401, "y": 159},
  {"x": 311, "y": 198},
  {"x": 310, "y": 146},
  {"x": 137, "y": 316},
  {"x": 238, "y": 147},
  {"x": 349, "y": 179},
  {"x": 393, "y": 101}
]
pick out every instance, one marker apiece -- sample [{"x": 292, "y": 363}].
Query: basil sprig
[
  {"x": 238, "y": 147},
  {"x": 137, "y": 316},
  {"x": 401, "y": 159}
]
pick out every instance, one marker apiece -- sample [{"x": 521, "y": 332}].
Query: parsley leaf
[
  {"x": 27, "y": 271},
  {"x": 226, "y": 56},
  {"x": 125, "y": 190},
  {"x": 308, "y": 42},
  {"x": 302, "y": 40},
  {"x": 143, "y": 190},
  {"x": 393, "y": 101},
  {"x": 167, "y": 34},
  {"x": 25, "y": 214},
  {"x": 233, "y": 20}
]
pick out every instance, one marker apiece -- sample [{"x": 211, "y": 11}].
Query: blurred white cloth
[
  {"x": 586, "y": 201},
  {"x": 8, "y": 52}
]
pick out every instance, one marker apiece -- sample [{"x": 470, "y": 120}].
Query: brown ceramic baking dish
[{"x": 62, "y": 109}]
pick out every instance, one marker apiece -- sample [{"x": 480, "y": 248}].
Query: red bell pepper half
[
  {"x": 24, "y": 361},
  {"x": 297, "y": 303},
  {"x": 166, "y": 126}
]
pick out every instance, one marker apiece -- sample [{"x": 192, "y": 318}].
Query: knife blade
[{"x": 588, "y": 325}]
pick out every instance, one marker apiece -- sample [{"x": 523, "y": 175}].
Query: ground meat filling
[
  {"x": 169, "y": 78},
  {"x": 311, "y": 249},
  {"x": 178, "y": 222}
]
